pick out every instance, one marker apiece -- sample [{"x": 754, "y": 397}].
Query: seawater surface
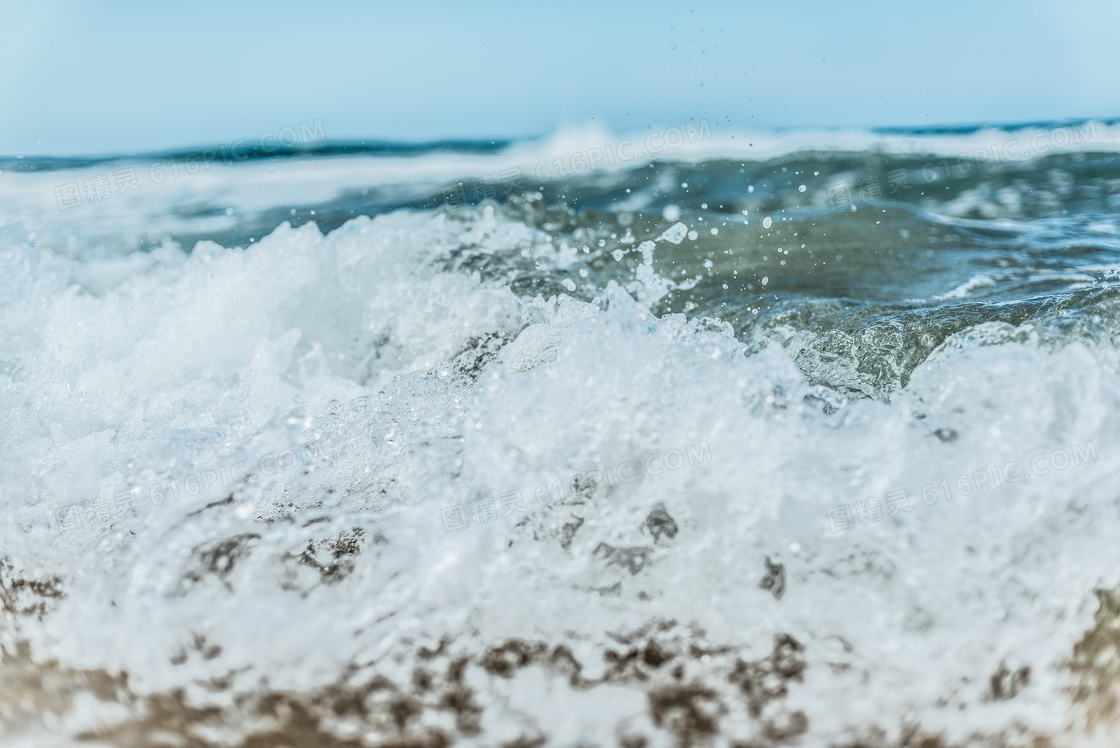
[{"x": 744, "y": 440}]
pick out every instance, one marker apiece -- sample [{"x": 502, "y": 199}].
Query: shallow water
[{"x": 797, "y": 438}]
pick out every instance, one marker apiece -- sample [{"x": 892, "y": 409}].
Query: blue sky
[{"x": 126, "y": 77}]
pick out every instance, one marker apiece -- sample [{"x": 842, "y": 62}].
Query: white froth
[{"x": 129, "y": 372}]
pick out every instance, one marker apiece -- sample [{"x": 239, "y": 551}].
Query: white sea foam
[
  {"x": 260, "y": 409},
  {"x": 123, "y": 373},
  {"x": 207, "y": 195}
]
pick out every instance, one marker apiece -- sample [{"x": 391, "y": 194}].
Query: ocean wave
[{"x": 677, "y": 446}]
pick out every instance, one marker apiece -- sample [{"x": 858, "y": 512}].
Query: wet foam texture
[{"x": 400, "y": 482}]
